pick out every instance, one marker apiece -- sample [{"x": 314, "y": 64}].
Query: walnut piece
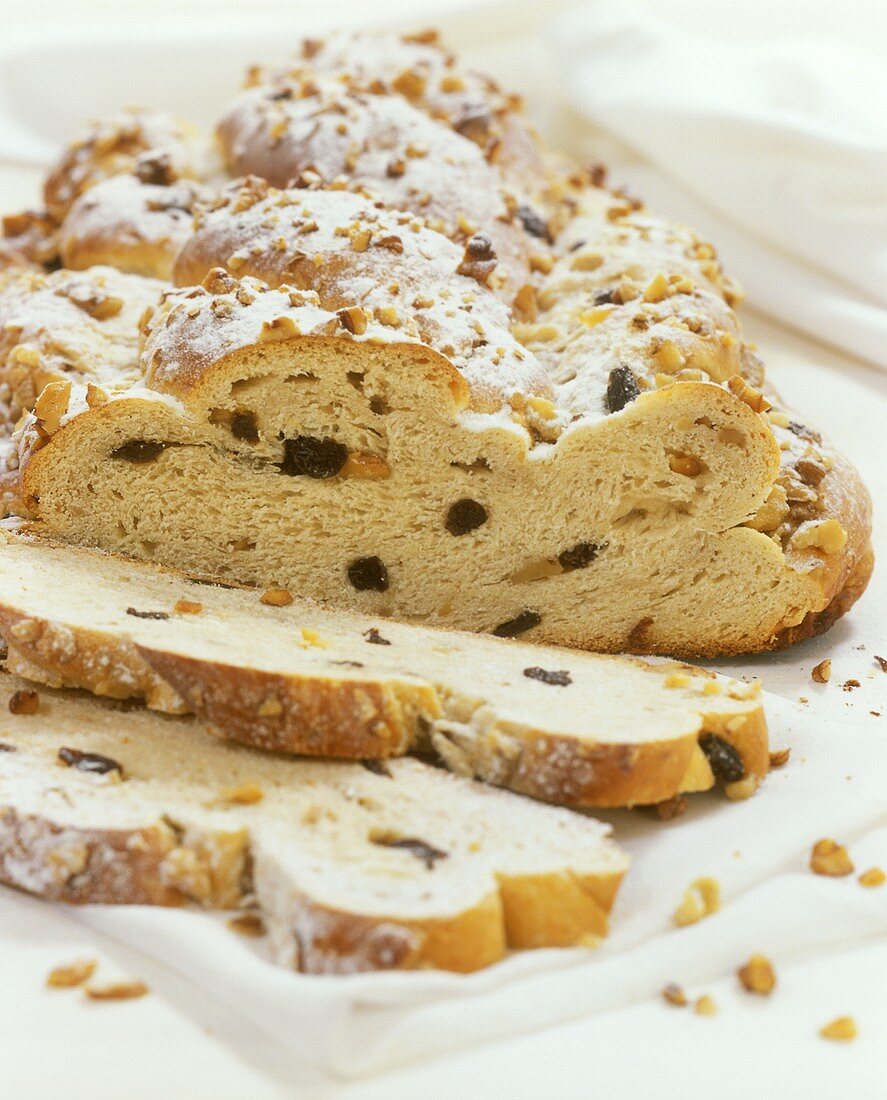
[
  {"x": 701, "y": 899},
  {"x": 758, "y": 976},
  {"x": 831, "y": 859},
  {"x": 841, "y": 1030},
  {"x": 116, "y": 991},
  {"x": 75, "y": 973},
  {"x": 822, "y": 673}
]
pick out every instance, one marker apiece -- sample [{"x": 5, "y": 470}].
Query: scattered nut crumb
[
  {"x": 874, "y": 876},
  {"x": 670, "y": 808},
  {"x": 841, "y": 1030},
  {"x": 882, "y": 661},
  {"x": 701, "y": 899},
  {"x": 780, "y": 758},
  {"x": 276, "y": 597},
  {"x": 247, "y": 794},
  {"x": 188, "y": 607},
  {"x": 247, "y": 924},
  {"x": 705, "y": 1006},
  {"x": 742, "y": 788},
  {"x": 830, "y": 858},
  {"x": 66, "y": 977},
  {"x": 24, "y": 701},
  {"x": 758, "y": 976},
  {"x": 674, "y": 995},
  {"x": 822, "y": 673},
  {"x": 849, "y": 685},
  {"x": 116, "y": 991}
]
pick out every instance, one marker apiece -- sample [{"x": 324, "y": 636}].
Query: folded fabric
[
  {"x": 779, "y": 153},
  {"x": 757, "y": 850}
]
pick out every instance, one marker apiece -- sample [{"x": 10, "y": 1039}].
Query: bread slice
[
  {"x": 568, "y": 727},
  {"x": 350, "y": 867}
]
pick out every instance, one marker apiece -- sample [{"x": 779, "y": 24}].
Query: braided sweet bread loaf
[{"x": 419, "y": 368}]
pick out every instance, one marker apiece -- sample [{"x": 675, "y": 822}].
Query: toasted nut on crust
[
  {"x": 66, "y": 977},
  {"x": 701, "y": 899},
  {"x": 841, "y": 1030},
  {"x": 758, "y": 976},
  {"x": 51, "y": 406},
  {"x": 826, "y": 535},
  {"x": 755, "y": 400},
  {"x": 116, "y": 991},
  {"x": 830, "y": 858},
  {"x": 822, "y": 673}
]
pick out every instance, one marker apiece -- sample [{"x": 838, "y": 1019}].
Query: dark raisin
[
  {"x": 374, "y": 637},
  {"x": 622, "y": 388},
  {"x": 533, "y": 222},
  {"x": 377, "y": 767},
  {"x": 576, "y": 245},
  {"x": 578, "y": 556},
  {"x": 347, "y": 664},
  {"x": 139, "y": 451},
  {"x": 147, "y": 614},
  {"x": 519, "y": 625},
  {"x": 155, "y": 168},
  {"x": 24, "y": 701},
  {"x": 282, "y": 93},
  {"x": 605, "y": 297},
  {"x": 243, "y": 426},
  {"x": 464, "y": 516},
  {"x": 725, "y": 761},
  {"x": 7, "y": 748},
  {"x": 92, "y": 762},
  {"x": 555, "y": 677},
  {"x": 368, "y": 575},
  {"x": 802, "y": 432},
  {"x": 418, "y": 848},
  {"x": 317, "y": 458},
  {"x": 379, "y": 406}
]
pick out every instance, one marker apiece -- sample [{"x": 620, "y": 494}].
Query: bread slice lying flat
[
  {"x": 569, "y": 727},
  {"x": 351, "y": 867}
]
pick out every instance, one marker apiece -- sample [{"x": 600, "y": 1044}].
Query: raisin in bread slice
[
  {"x": 351, "y": 868},
  {"x": 569, "y": 727}
]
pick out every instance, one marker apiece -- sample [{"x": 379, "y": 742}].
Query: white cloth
[
  {"x": 772, "y": 904},
  {"x": 776, "y": 149}
]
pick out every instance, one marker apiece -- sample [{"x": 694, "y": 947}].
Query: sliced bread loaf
[
  {"x": 351, "y": 867},
  {"x": 569, "y": 727}
]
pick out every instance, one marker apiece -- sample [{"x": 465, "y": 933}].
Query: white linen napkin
[
  {"x": 775, "y": 148},
  {"x": 757, "y": 850}
]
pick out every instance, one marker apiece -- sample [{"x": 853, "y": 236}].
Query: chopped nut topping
[
  {"x": 188, "y": 607},
  {"x": 850, "y": 685},
  {"x": 276, "y": 597},
  {"x": 51, "y": 406},
  {"x": 822, "y": 672},
  {"x": 24, "y": 701},
  {"x": 758, "y": 976},
  {"x": 247, "y": 794},
  {"x": 116, "y": 991},
  {"x": 479, "y": 261},
  {"x": 705, "y": 1006},
  {"x": 76, "y": 973},
  {"x": 827, "y": 535},
  {"x": 353, "y": 319},
  {"x": 830, "y": 858},
  {"x": 247, "y": 924},
  {"x": 755, "y": 400},
  {"x": 701, "y": 899},
  {"x": 674, "y": 995},
  {"x": 841, "y": 1030}
]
